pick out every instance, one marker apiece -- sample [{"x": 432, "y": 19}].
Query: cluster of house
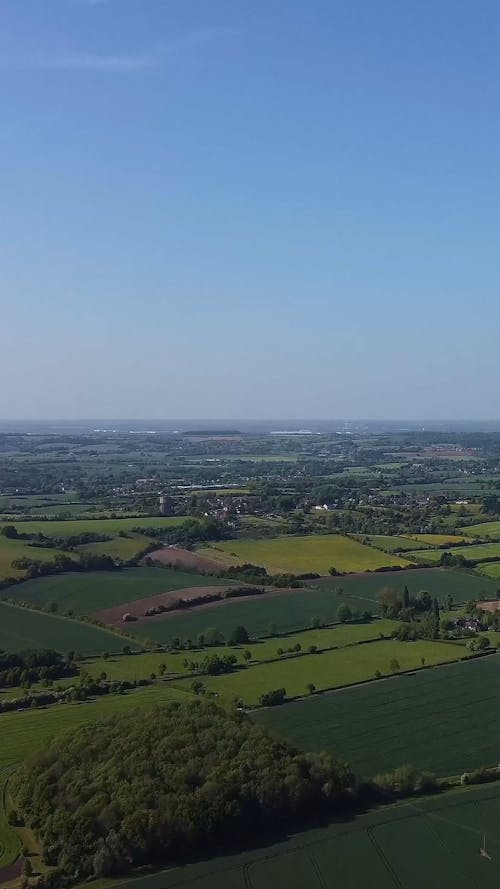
[{"x": 468, "y": 623}]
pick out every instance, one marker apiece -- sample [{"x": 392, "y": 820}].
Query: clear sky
[{"x": 249, "y": 208}]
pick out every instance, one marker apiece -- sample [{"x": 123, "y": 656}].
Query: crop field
[
  {"x": 328, "y": 669},
  {"x": 430, "y": 842},
  {"x": 97, "y": 526},
  {"x": 91, "y": 591},
  {"x": 475, "y": 553},
  {"x": 393, "y": 544},
  {"x": 21, "y": 629},
  {"x": 316, "y": 553},
  {"x": 287, "y": 611},
  {"x": 445, "y": 720},
  {"x": 438, "y": 539},
  {"x": 485, "y": 529}
]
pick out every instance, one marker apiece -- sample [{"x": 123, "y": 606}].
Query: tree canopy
[{"x": 158, "y": 784}]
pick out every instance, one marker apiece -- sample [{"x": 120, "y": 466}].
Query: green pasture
[
  {"x": 444, "y": 720},
  {"x": 438, "y": 539},
  {"x": 97, "y": 526},
  {"x": 430, "y": 842},
  {"x": 328, "y": 669},
  {"x": 20, "y": 549},
  {"x": 288, "y": 611},
  {"x": 141, "y": 665},
  {"x": 123, "y": 548},
  {"x": 484, "y": 529},
  {"x": 393, "y": 544},
  {"x": 490, "y": 569},
  {"x": 89, "y": 591},
  {"x": 299, "y": 555},
  {"x": 21, "y": 628},
  {"x": 478, "y": 553}
]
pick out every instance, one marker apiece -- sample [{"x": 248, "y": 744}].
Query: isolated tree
[
  {"x": 238, "y": 636},
  {"x": 315, "y": 622},
  {"x": 394, "y": 665},
  {"x": 344, "y": 613},
  {"x": 311, "y": 688},
  {"x": 448, "y": 602},
  {"x": 247, "y": 655},
  {"x": 162, "y": 669},
  {"x": 406, "y": 597}
]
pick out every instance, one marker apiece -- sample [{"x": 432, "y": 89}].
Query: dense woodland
[{"x": 182, "y": 780}]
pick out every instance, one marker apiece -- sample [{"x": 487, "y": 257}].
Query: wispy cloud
[
  {"x": 115, "y": 62},
  {"x": 83, "y": 62}
]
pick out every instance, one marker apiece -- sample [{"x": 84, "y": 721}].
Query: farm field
[
  {"x": 97, "y": 526},
  {"x": 484, "y": 529},
  {"x": 431, "y": 842},
  {"x": 142, "y": 665},
  {"x": 475, "y": 553},
  {"x": 328, "y": 669},
  {"x": 289, "y": 611},
  {"x": 123, "y": 548},
  {"x": 21, "y": 629},
  {"x": 438, "y": 539},
  {"x": 20, "y": 549},
  {"x": 316, "y": 553},
  {"x": 444, "y": 720},
  {"x": 490, "y": 569},
  {"x": 393, "y": 544},
  {"x": 91, "y": 591}
]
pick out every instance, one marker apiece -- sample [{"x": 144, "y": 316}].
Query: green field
[
  {"x": 316, "y": 553},
  {"x": 290, "y": 611},
  {"x": 474, "y": 553},
  {"x": 21, "y": 629},
  {"x": 393, "y": 544},
  {"x": 426, "y": 843},
  {"x": 123, "y": 548},
  {"x": 141, "y": 665},
  {"x": 20, "y": 549},
  {"x": 438, "y": 539},
  {"x": 444, "y": 720},
  {"x": 490, "y": 569},
  {"x": 329, "y": 669},
  {"x": 90, "y": 591},
  {"x": 485, "y": 529},
  {"x": 97, "y": 526}
]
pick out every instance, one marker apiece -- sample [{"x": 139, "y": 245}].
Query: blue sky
[{"x": 249, "y": 209}]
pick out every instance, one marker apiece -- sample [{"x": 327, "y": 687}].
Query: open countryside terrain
[
  {"x": 22, "y": 629},
  {"x": 85, "y": 593},
  {"x": 430, "y": 842},
  {"x": 10, "y": 550},
  {"x": 299, "y": 555},
  {"x": 484, "y": 529},
  {"x": 285, "y": 611},
  {"x": 478, "y": 553},
  {"x": 74, "y": 527},
  {"x": 329, "y": 669},
  {"x": 441, "y": 719}
]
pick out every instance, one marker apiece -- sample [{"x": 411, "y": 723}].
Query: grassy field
[
  {"x": 290, "y": 611},
  {"x": 123, "y": 548},
  {"x": 485, "y": 529},
  {"x": 438, "y": 539},
  {"x": 431, "y": 842},
  {"x": 328, "y": 669},
  {"x": 490, "y": 569},
  {"x": 21, "y": 629},
  {"x": 316, "y": 553},
  {"x": 475, "y": 553},
  {"x": 445, "y": 720},
  {"x": 393, "y": 544},
  {"x": 20, "y": 549},
  {"x": 91, "y": 591},
  {"x": 97, "y": 526},
  {"x": 138, "y": 666}
]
